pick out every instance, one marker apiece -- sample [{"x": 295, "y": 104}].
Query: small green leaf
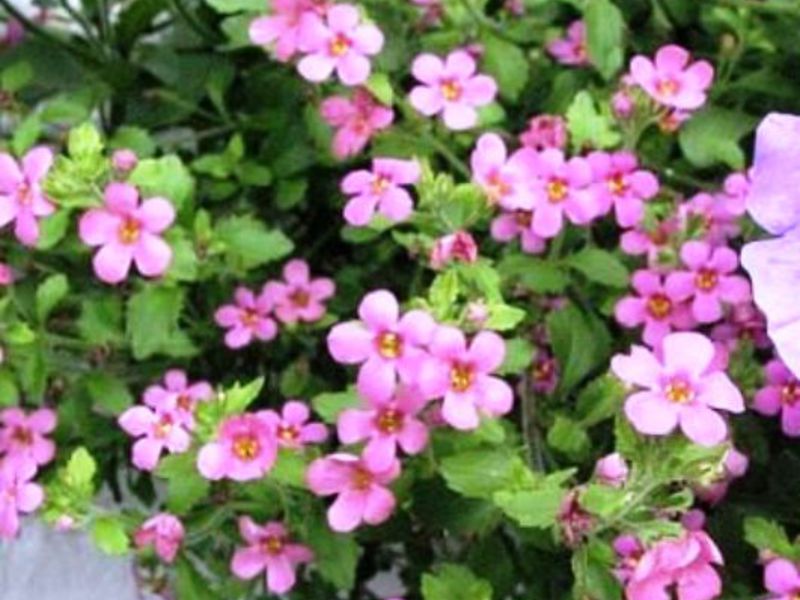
[
  {"x": 185, "y": 486},
  {"x": 536, "y": 274},
  {"x": 335, "y": 555},
  {"x": 479, "y": 473},
  {"x": 152, "y": 323},
  {"x": 330, "y": 404},
  {"x": 108, "y": 392},
  {"x": 531, "y": 508},
  {"x": 568, "y": 437},
  {"x": 234, "y": 6},
  {"x": 49, "y": 293},
  {"x": 599, "y": 266},
  {"x": 16, "y": 76},
  {"x": 454, "y": 582},
  {"x": 109, "y": 534},
  {"x": 239, "y": 397},
  {"x": 100, "y": 321},
  {"x": 250, "y": 244},
  {"x": 380, "y": 86},
  {"x": 764, "y": 534},
  {"x": 605, "y": 27},
  {"x": 712, "y": 137},
  {"x": 19, "y": 334},
  {"x": 588, "y": 127},
  {"x": 166, "y": 177},
  {"x": 84, "y": 143},
  {"x": 80, "y": 469},
  {"x": 507, "y": 63},
  {"x": 519, "y": 355},
  {"x": 503, "y": 317}
]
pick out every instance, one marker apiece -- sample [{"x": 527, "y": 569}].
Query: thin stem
[
  {"x": 455, "y": 162},
  {"x": 84, "y": 24}
]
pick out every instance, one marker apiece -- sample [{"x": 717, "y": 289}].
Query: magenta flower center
[
  {"x": 273, "y": 545},
  {"x": 339, "y": 45},
  {"x": 390, "y": 345},
  {"x": 679, "y": 391},
  {"x": 667, "y": 87},
  {"x": 451, "y": 90},
  {"x": 24, "y": 194},
  {"x": 617, "y": 184},
  {"x": 246, "y": 446},
  {"x": 389, "y": 421},
  {"x": 557, "y": 190},
  {"x": 543, "y": 370},
  {"x": 22, "y": 435},
  {"x": 288, "y": 433},
  {"x": 659, "y": 306},
  {"x": 129, "y": 230},
  {"x": 790, "y": 393},
  {"x": 361, "y": 479},
  {"x": 706, "y": 280},
  {"x": 462, "y": 376},
  {"x": 185, "y": 402},
  {"x": 300, "y": 298},
  {"x": 523, "y": 218},
  {"x": 249, "y": 317}
]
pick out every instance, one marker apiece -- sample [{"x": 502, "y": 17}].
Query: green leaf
[
  {"x": 49, "y": 293},
  {"x": 479, "y": 473},
  {"x": 537, "y": 274},
  {"x": 380, "y": 86},
  {"x": 519, "y": 355},
  {"x": 600, "y": 266},
  {"x": 604, "y": 500},
  {"x": 52, "y": 229},
  {"x": 568, "y": 437},
  {"x": 80, "y": 470},
  {"x": 16, "y": 76},
  {"x": 100, "y": 321},
  {"x": 84, "y": 143},
  {"x": 507, "y": 63},
  {"x": 189, "y": 583},
  {"x": 166, "y": 177},
  {"x": 454, "y": 582},
  {"x": 329, "y": 404},
  {"x": 712, "y": 137},
  {"x": 443, "y": 292},
  {"x": 531, "y": 508},
  {"x": 108, "y": 533},
  {"x": 9, "y": 393},
  {"x": 503, "y": 317},
  {"x": 234, "y": 6},
  {"x": 26, "y": 134},
  {"x": 605, "y": 27},
  {"x": 462, "y": 206},
  {"x": 765, "y": 534},
  {"x": 19, "y": 334},
  {"x": 335, "y": 555},
  {"x": 133, "y": 138},
  {"x": 599, "y": 400},
  {"x": 290, "y": 469},
  {"x": 152, "y": 324},
  {"x": 107, "y": 392},
  {"x": 185, "y": 486},
  {"x": 588, "y": 127},
  {"x": 250, "y": 244},
  {"x": 239, "y": 397}
]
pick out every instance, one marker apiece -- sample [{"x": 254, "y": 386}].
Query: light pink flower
[
  {"x": 622, "y": 103},
  {"x": 18, "y": 494},
  {"x": 459, "y": 246},
  {"x": 743, "y": 322},
  {"x": 157, "y": 431},
  {"x": 291, "y": 426},
  {"x": 128, "y": 232},
  {"x": 671, "y": 81},
  {"x": 571, "y": 49},
  {"x": 452, "y": 88},
  {"x": 6, "y": 274},
  {"x": 340, "y": 42},
  {"x": 504, "y": 179},
  {"x": 299, "y": 298},
  {"x": 380, "y": 190},
  {"x": 545, "y": 131},
  {"x": 386, "y": 424},
  {"x": 178, "y": 397},
  {"x": 124, "y": 160},
  {"x": 509, "y": 225},
  {"x": 21, "y": 197},
  {"x": 782, "y": 579},
  {"x": 781, "y": 394},
  {"x": 709, "y": 281},
  {"x": 388, "y": 345},
  {"x": 164, "y": 532},
  {"x": 247, "y": 319},
  {"x": 561, "y": 187},
  {"x": 363, "y": 495},
  {"x": 356, "y": 120},
  {"x": 622, "y": 184},
  {"x": 714, "y": 215},
  {"x": 655, "y": 306},
  {"x": 651, "y": 241},
  {"x": 22, "y": 436},
  {"x": 612, "y": 470},
  {"x": 269, "y": 549},
  {"x": 680, "y": 389},
  {"x": 461, "y": 374},
  {"x": 245, "y": 448},
  {"x": 283, "y": 27}
]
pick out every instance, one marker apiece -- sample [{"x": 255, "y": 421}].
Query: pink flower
[
  {"x": 291, "y": 426},
  {"x": 560, "y": 187},
  {"x": 652, "y": 241},
  {"x": 388, "y": 345},
  {"x": 157, "y": 430},
  {"x": 709, "y": 281},
  {"x": 743, "y": 322},
  {"x": 622, "y": 104},
  {"x": 671, "y": 81},
  {"x": 124, "y": 160},
  {"x": 387, "y": 424},
  {"x": 128, "y": 232},
  {"x": 545, "y": 131},
  {"x": 679, "y": 389},
  {"x": 22, "y": 437},
  {"x": 621, "y": 184},
  {"x": 362, "y": 493},
  {"x": 178, "y": 397},
  {"x": 18, "y": 494},
  {"x": 571, "y": 50},
  {"x": 246, "y": 319},
  {"x": 269, "y": 549},
  {"x": 379, "y": 189},
  {"x": 685, "y": 563},
  {"x": 356, "y": 120},
  {"x": 544, "y": 373},
  {"x": 6, "y": 274},
  {"x": 164, "y": 532},
  {"x": 283, "y": 27},
  {"x": 782, "y": 578},
  {"x": 21, "y": 197},
  {"x": 734, "y": 465},
  {"x": 612, "y": 470},
  {"x": 461, "y": 374},
  {"x": 781, "y": 394},
  {"x": 716, "y": 217},
  {"x": 245, "y": 448},
  {"x": 655, "y": 305},
  {"x": 341, "y": 42},
  {"x": 459, "y": 246},
  {"x": 451, "y": 87},
  {"x": 504, "y": 179},
  {"x": 518, "y": 223},
  {"x": 299, "y": 298}
]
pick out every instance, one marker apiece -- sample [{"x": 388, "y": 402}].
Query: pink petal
[
  {"x": 688, "y": 351},
  {"x": 718, "y": 391},
  {"x": 494, "y": 395},
  {"x": 448, "y": 343},
  {"x": 671, "y": 59},
  {"x": 350, "y": 343},
  {"x": 346, "y": 513},
  {"x": 10, "y": 174},
  {"x": 280, "y": 574},
  {"x": 353, "y": 69},
  {"x": 368, "y": 39},
  {"x": 29, "y": 497},
  {"x": 354, "y": 425},
  {"x": 137, "y": 420},
  {"x": 343, "y": 17},
  {"x": 767, "y": 401},
  {"x": 416, "y": 327},
  {"x": 212, "y": 461},
  {"x": 630, "y": 311},
  {"x": 379, "y": 310},
  {"x": 680, "y": 285},
  {"x": 790, "y": 420},
  {"x": 640, "y": 368},
  {"x": 113, "y": 262},
  {"x": 414, "y": 436},
  {"x": 702, "y": 425},
  {"x": 480, "y": 90},
  {"x": 379, "y": 505},
  {"x": 427, "y": 68},
  {"x": 650, "y": 414},
  {"x": 296, "y": 272},
  {"x": 316, "y": 67},
  {"x": 459, "y": 117},
  {"x": 781, "y": 576},
  {"x": 459, "y": 64},
  {"x": 295, "y": 413},
  {"x": 265, "y": 30},
  {"x": 487, "y": 351},
  {"x": 380, "y": 453},
  {"x": 152, "y": 255},
  {"x": 156, "y": 214},
  {"x": 121, "y": 198},
  {"x": 43, "y": 420},
  {"x": 376, "y": 379},
  {"x": 238, "y": 337},
  {"x": 326, "y": 476},
  {"x": 146, "y": 453},
  {"x": 459, "y": 411},
  {"x": 248, "y": 562},
  {"x": 396, "y": 205},
  {"x": 427, "y": 100},
  {"x": 36, "y": 163},
  {"x": 359, "y": 210},
  {"x": 706, "y": 308}
]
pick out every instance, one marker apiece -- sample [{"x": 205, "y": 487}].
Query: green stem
[
  {"x": 455, "y": 162},
  {"x": 487, "y": 23}
]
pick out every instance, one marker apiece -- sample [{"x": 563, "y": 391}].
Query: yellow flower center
[
  {"x": 249, "y": 317},
  {"x": 659, "y": 306},
  {"x": 451, "y": 90},
  {"x": 339, "y": 45},
  {"x": 389, "y": 421},
  {"x": 246, "y": 446},
  {"x": 390, "y": 345},
  {"x": 129, "y": 231},
  {"x": 163, "y": 427},
  {"x": 706, "y": 280},
  {"x": 288, "y": 433},
  {"x": 361, "y": 479},
  {"x": 273, "y": 545},
  {"x": 667, "y": 87},
  {"x": 496, "y": 188},
  {"x": 679, "y": 391},
  {"x": 557, "y": 190},
  {"x": 379, "y": 185},
  {"x": 461, "y": 377},
  {"x": 617, "y": 184}
]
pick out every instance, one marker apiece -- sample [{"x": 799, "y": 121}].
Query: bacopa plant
[{"x": 419, "y": 299}]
